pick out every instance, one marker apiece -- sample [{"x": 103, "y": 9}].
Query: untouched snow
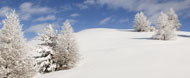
[{"x": 112, "y": 53}]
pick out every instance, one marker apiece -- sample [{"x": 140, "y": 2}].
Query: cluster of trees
[
  {"x": 166, "y": 25},
  {"x": 57, "y": 51}
]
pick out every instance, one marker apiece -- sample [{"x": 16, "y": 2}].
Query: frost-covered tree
[
  {"x": 165, "y": 30},
  {"x": 173, "y": 18},
  {"x": 14, "y": 62},
  {"x": 44, "y": 61},
  {"x": 141, "y": 23},
  {"x": 49, "y": 38},
  {"x": 66, "y": 54}
]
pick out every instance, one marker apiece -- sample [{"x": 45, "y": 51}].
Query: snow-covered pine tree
[
  {"x": 165, "y": 30},
  {"x": 45, "y": 62},
  {"x": 173, "y": 18},
  {"x": 14, "y": 62},
  {"x": 141, "y": 23},
  {"x": 66, "y": 54}
]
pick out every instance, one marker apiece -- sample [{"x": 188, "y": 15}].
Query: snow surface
[{"x": 112, "y": 53}]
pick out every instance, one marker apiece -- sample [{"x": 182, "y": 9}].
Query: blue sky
[{"x": 85, "y": 14}]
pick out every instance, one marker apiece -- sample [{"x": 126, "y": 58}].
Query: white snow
[{"x": 113, "y": 53}]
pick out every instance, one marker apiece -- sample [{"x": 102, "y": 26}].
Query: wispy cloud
[
  {"x": 105, "y": 20},
  {"x": 89, "y": 2},
  {"x": 47, "y": 18},
  {"x": 25, "y": 16},
  {"x": 72, "y": 21},
  {"x": 27, "y": 9},
  {"x": 75, "y": 15},
  {"x": 124, "y": 20},
  {"x": 150, "y": 7},
  {"x": 4, "y": 10},
  {"x": 66, "y": 7},
  {"x": 81, "y": 5},
  {"x": 39, "y": 28}
]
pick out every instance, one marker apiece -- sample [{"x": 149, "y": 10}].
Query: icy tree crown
[
  {"x": 173, "y": 18},
  {"x": 141, "y": 23}
]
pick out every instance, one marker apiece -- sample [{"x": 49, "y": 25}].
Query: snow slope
[{"x": 112, "y": 53}]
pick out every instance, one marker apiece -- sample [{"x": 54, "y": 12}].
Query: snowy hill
[{"x": 112, "y": 53}]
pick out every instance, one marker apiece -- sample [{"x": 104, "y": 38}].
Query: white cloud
[
  {"x": 89, "y": 2},
  {"x": 39, "y": 28},
  {"x": 105, "y": 20},
  {"x": 47, "y": 18},
  {"x": 25, "y": 16},
  {"x": 30, "y": 8},
  {"x": 66, "y": 7},
  {"x": 4, "y": 10},
  {"x": 72, "y": 21},
  {"x": 75, "y": 15},
  {"x": 124, "y": 20},
  {"x": 27, "y": 9},
  {"x": 81, "y": 6},
  {"x": 150, "y": 7}
]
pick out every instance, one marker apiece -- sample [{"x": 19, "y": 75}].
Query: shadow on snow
[{"x": 183, "y": 35}]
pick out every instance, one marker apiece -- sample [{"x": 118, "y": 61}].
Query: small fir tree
[
  {"x": 67, "y": 50},
  {"x": 141, "y": 23},
  {"x": 45, "y": 62}
]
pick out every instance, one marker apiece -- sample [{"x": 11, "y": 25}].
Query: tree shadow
[
  {"x": 183, "y": 35},
  {"x": 144, "y": 38},
  {"x": 127, "y": 30}
]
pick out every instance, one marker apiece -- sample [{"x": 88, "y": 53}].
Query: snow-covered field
[{"x": 112, "y": 53}]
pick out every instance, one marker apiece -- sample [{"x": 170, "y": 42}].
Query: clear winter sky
[{"x": 84, "y": 14}]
